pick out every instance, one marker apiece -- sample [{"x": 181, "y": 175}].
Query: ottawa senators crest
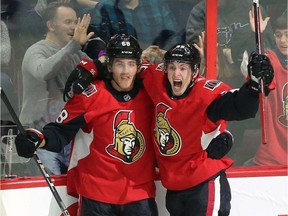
[
  {"x": 283, "y": 119},
  {"x": 168, "y": 140},
  {"x": 129, "y": 144}
]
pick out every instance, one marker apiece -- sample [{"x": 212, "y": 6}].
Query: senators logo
[
  {"x": 283, "y": 119},
  {"x": 129, "y": 143},
  {"x": 168, "y": 140}
]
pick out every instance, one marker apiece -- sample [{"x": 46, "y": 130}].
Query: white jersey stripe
[{"x": 217, "y": 196}]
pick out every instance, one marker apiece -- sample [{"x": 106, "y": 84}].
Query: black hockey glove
[
  {"x": 81, "y": 77},
  {"x": 260, "y": 67},
  {"x": 27, "y": 144},
  {"x": 220, "y": 145}
]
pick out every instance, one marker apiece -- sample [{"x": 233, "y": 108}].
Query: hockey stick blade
[{"x": 35, "y": 156}]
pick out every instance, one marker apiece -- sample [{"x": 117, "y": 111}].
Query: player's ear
[{"x": 109, "y": 68}]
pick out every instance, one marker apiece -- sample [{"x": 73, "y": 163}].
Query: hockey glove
[
  {"x": 260, "y": 67},
  {"x": 81, "y": 77},
  {"x": 27, "y": 144},
  {"x": 220, "y": 145}
]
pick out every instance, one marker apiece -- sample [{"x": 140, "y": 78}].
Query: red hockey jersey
[
  {"x": 183, "y": 130},
  {"x": 112, "y": 158}
]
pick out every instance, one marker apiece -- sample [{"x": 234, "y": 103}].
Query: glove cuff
[
  {"x": 35, "y": 136},
  {"x": 254, "y": 87}
]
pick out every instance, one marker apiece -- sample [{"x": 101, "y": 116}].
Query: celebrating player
[
  {"x": 188, "y": 109},
  {"x": 111, "y": 123}
]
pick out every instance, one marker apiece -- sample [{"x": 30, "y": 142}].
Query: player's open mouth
[{"x": 177, "y": 83}]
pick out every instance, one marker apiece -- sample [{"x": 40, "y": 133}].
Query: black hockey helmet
[
  {"x": 183, "y": 53},
  {"x": 124, "y": 46}
]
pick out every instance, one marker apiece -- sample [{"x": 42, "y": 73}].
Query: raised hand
[
  {"x": 263, "y": 23},
  {"x": 200, "y": 46},
  {"x": 80, "y": 78},
  {"x": 80, "y": 33}
]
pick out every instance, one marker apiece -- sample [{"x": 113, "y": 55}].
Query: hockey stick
[
  {"x": 259, "y": 49},
  {"x": 35, "y": 156}
]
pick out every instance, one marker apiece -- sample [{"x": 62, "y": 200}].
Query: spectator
[
  {"x": 35, "y": 29},
  {"x": 152, "y": 20},
  {"x": 108, "y": 20},
  {"x": 45, "y": 69},
  {"x": 153, "y": 54},
  {"x": 87, "y": 3},
  {"x": 275, "y": 151},
  {"x": 181, "y": 10},
  {"x": 5, "y": 74},
  {"x": 5, "y": 44},
  {"x": 30, "y": 26},
  {"x": 112, "y": 128},
  {"x": 6, "y": 124},
  {"x": 234, "y": 34},
  {"x": 84, "y": 6}
]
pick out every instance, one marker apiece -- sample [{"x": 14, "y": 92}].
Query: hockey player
[
  {"x": 196, "y": 184},
  {"x": 186, "y": 108},
  {"x": 111, "y": 123}
]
